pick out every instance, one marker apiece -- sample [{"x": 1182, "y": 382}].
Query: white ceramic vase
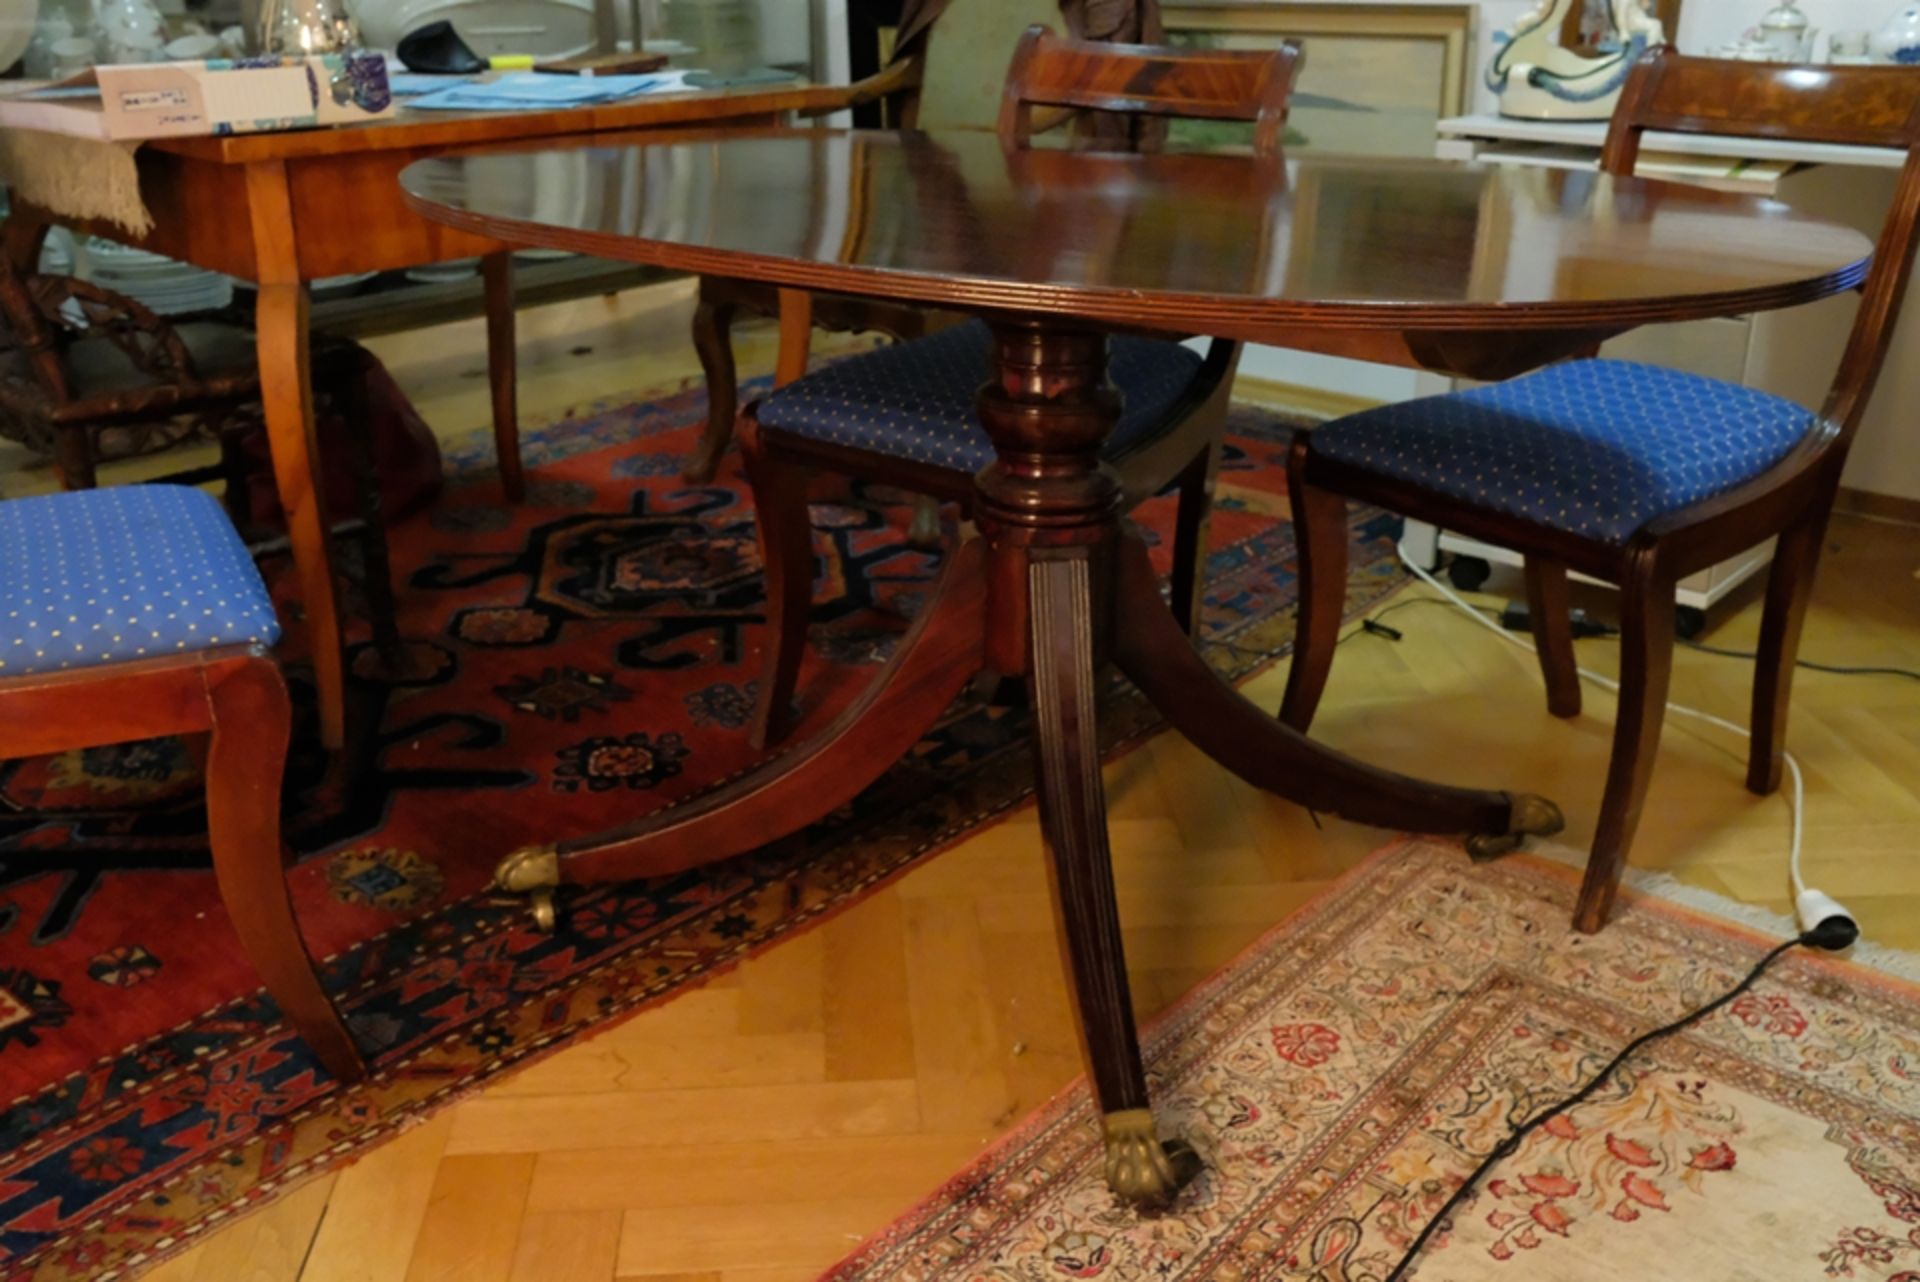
[{"x": 1899, "y": 40}]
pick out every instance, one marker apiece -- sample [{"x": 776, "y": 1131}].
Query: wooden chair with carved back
[
  {"x": 134, "y": 612},
  {"x": 78, "y": 360},
  {"x": 950, "y": 79},
  {"x": 905, "y": 416},
  {"x": 1633, "y": 474}
]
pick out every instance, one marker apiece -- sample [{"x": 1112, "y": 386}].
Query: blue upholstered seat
[
  {"x": 132, "y": 572},
  {"x": 1595, "y": 447},
  {"x": 916, "y": 400}
]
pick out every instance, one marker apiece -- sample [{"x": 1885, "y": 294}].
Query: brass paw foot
[
  {"x": 532, "y": 871},
  {"x": 1141, "y": 1170},
  {"x": 1531, "y": 816},
  {"x": 924, "y": 530}
]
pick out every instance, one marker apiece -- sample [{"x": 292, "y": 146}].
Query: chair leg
[
  {"x": 1190, "y": 537},
  {"x": 1320, "y": 532},
  {"x": 1550, "y": 608},
  {"x": 236, "y": 496},
  {"x": 713, "y": 341},
  {"x": 503, "y": 371},
  {"x": 382, "y": 609},
  {"x": 252, "y": 723},
  {"x": 1789, "y": 587},
  {"x": 1646, "y": 668},
  {"x": 786, "y": 551},
  {"x": 73, "y": 458}
]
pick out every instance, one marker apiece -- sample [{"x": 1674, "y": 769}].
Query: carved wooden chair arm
[{"x": 153, "y": 346}]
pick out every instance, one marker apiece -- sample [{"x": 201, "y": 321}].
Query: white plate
[{"x": 444, "y": 273}]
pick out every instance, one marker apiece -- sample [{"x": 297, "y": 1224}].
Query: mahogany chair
[
  {"x": 135, "y": 612},
  {"x": 905, "y": 415},
  {"x": 1630, "y": 473},
  {"x": 950, "y": 79}
]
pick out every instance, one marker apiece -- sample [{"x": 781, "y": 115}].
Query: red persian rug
[
  {"x": 590, "y": 656},
  {"x": 1346, "y": 1073}
]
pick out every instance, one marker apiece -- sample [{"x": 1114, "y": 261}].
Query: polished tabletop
[{"x": 1194, "y": 243}]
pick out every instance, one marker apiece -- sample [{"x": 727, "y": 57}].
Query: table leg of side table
[
  {"x": 503, "y": 372},
  {"x": 286, "y": 396}
]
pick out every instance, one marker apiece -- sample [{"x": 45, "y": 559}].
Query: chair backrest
[
  {"x": 1864, "y": 106},
  {"x": 1150, "y": 80}
]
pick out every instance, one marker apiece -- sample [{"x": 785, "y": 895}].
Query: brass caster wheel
[
  {"x": 1186, "y": 1162},
  {"x": 532, "y": 871},
  {"x": 1142, "y": 1171},
  {"x": 544, "y": 916},
  {"x": 1530, "y": 816},
  {"x": 924, "y": 531}
]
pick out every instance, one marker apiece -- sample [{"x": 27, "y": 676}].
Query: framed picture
[{"x": 1377, "y": 78}]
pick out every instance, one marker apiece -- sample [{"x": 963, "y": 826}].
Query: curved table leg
[
  {"x": 933, "y": 664},
  {"x": 1047, "y": 509},
  {"x": 286, "y": 396},
  {"x": 1073, "y": 818},
  {"x": 1153, "y": 651}
]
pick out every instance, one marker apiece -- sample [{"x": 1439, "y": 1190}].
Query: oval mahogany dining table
[{"x": 1484, "y": 272}]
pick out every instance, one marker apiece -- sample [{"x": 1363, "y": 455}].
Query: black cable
[
  {"x": 1842, "y": 669},
  {"x": 1372, "y": 623},
  {"x": 1815, "y": 938}
]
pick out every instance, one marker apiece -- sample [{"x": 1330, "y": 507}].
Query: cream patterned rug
[{"x": 1349, "y": 1069}]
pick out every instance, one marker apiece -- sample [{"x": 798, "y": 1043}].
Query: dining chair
[
  {"x": 905, "y": 415},
  {"x": 1633, "y": 474},
  {"x": 134, "y": 612},
  {"x": 949, "y": 77},
  {"x": 78, "y": 359}
]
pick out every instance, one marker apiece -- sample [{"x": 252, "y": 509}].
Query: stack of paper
[
  {"x": 534, "y": 91},
  {"x": 173, "y": 99}
]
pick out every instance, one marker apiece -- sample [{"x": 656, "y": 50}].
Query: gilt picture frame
[{"x": 1377, "y": 77}]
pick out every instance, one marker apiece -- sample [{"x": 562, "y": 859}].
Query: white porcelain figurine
[{"x": 1538, "y": 78}]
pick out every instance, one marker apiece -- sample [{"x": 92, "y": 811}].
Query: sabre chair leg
[
  {"x": 355, "y": 401},
  {"x": 1320, "y": 536},
  {"x": 1646, "y": 668},
  {"x": 713, "y": 341},
  {"x": 1140, "y": 1168},
  {"x": 1789, "y": 588},
  {"x": 1189, "y": 580},
  {"x": 1550, "y": 613},
  {"x": 785, "y": 532},
  {"x": 252, "y": 722}
]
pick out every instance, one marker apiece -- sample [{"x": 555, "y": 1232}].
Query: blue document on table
[
  {"x": 412, "y": 84},
  {"x": 536, "y": 91}
]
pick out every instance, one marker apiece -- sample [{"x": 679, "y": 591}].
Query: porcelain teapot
[
  {"x": 1899, "y": 40},
  {"x": 1785, "y": 31}
]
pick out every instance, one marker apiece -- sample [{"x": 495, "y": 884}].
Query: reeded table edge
[{"x": 1248, "y": 319}]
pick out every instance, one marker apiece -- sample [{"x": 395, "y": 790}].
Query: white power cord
[{"x": 1811, "y": 907}]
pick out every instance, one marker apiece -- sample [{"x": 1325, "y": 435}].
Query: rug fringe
[{"x": 1665, "y": 886}]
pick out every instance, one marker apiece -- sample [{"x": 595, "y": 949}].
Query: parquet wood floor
[{"x": 756, "y": 1129}]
